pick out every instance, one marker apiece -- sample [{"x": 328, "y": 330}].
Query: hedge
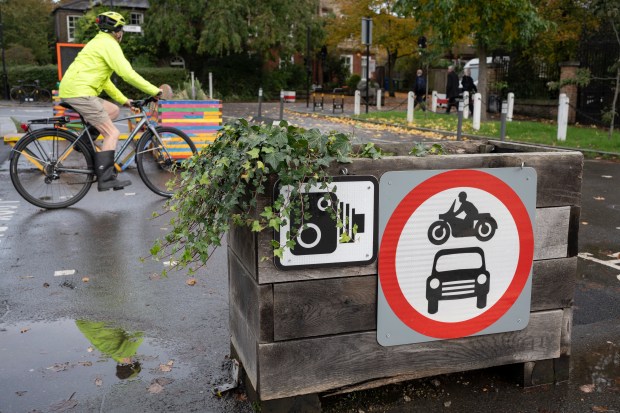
[{"x": 48, "y": 77}]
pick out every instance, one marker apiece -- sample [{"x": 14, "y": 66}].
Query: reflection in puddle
[
  {"x": 599, "y": 367},
  {"x": 43, "y": 363}
]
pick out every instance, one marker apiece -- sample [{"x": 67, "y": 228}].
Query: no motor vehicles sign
[{"x": 455, "y": 255}]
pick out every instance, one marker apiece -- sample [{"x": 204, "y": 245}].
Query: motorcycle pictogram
[{"x": 480, "y": 225}]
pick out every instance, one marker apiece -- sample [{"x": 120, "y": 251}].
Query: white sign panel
[
  {"x": 320, "y": 242},
  {"x": 455, "y": 254}
]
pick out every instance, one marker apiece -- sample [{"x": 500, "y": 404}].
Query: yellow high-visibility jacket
[{"x": 90, "y": 72}]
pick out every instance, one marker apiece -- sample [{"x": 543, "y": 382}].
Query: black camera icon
[{"x": 321, "y": 234}]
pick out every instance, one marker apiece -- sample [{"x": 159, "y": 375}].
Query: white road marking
[
  {"x": 615, "y": 264},
  {"x": 61, "y": 273}
]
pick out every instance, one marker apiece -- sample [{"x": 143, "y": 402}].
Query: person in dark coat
[
  {"x": 469, "y": 86},
  {"x": 419, "y": 90},
  {"x": 452, "y": 88}
]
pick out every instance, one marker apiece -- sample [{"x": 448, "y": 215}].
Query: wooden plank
[
  {"x": 550, "y": 240},
  {"x": 299, "y": 367},
  {"x": 345, "y": 305},
  {"x": 551, "y": 232},
  {"x": 254, "y": 302},
  {"x": 313, "y": 308},
  {"x": 559, "y": 173},
  {"x": 553, "y": 283}
]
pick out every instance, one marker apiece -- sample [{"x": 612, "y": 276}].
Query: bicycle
[
  {"x": 52, "y": 167},
  {"x": 29, "y": 92}
]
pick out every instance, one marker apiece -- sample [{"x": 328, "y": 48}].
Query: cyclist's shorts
[{"x": 91, "y": 109}]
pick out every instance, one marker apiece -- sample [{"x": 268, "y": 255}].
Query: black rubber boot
[{"x": 106, "y": 174}]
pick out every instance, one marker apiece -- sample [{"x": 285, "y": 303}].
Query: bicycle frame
[{"x": 144, "y": 121}]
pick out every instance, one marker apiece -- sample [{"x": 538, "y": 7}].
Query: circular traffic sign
[{"x": 397, "y": 232}]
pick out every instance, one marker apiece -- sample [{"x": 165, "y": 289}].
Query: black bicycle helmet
[{"x": 110, "y": 22}]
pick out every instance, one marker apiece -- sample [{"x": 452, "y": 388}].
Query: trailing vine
[{"x": 222, "y": 184}]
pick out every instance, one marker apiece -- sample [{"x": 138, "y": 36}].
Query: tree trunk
[{"x": 614, "y": 104}]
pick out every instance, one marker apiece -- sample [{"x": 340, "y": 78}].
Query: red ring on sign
[{"x": 392, "y": 233}]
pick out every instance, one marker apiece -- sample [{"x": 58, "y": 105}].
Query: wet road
[{"x": 67, "y": 269}]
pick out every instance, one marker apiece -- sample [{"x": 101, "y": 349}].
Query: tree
[
  {"x": 390, "y": 32},
  {"x": 27, "y": 25},
  {"x": 608, "y": 11},
  {"x": 220, "y": 27},
  {"x": 135, "y": 46},
  {"x": 489, "y": 25}
]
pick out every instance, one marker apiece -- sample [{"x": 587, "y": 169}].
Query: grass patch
[{"x": 540, "y": 132}]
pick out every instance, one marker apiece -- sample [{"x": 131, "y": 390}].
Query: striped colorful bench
[{"x": 199, "y": 119}]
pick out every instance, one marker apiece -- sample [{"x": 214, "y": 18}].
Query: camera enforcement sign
[
  {"x": 455, "y": 254},
  {"x": 345, "y": 208}
]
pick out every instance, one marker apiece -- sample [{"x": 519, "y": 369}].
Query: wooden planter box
[{"x": 301, "y": 332}]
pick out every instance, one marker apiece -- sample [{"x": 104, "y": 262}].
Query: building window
[
  {"x": 371, "y": 69},
  {"x": 71, "y": 25},
  {"x": 136, "y": 19},
  {"x": 347, "y": 61}
]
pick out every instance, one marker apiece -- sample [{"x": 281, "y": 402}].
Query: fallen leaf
[
  {"x": 242, "y": 397},
  {"x": 162, "y": 381},
  {"x": 24, "y": 330},
  {"x": 85, "y": 279},
  {"x": 191, "y": 281},
  {"x": 587, "y": 388},
  {"x": 155, "y": 388},
  {"x": 599, "y": 198},
  {"x": 98, "y": 382},
  {"x": 21, "y": 393},
  {"x": 64, "y": 405},
  {"x": 584, "y": 222},
  {"x": 59, "y": 367},
  {"x": 600, "y": 409},
  {"x": 90, "y": 349},
  {"x": 606, "y": 176},
  {"x": 165, "y": 368},
  {"x": 85, "y": 363}
]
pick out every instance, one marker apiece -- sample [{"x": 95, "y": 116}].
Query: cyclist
[{"x": 88, "y": 76}]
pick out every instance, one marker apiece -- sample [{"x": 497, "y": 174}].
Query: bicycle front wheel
[
  {"x": 51, "y": 169},
  {"x": 43, "y": 95},
  {"x": 160, "y": 159}
]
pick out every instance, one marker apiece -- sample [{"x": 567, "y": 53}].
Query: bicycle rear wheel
[
  {"x": 50, "y": 169},
  {"x": 160, "y": 162},
  {"x": 17, "y": 94}
]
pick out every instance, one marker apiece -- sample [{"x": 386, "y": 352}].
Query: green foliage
[
  {"x": 28, "y": 23},
  {"x": 136, "y": 47},
  {"x": 222, "y": 183},
  {"x": 352, "y": 81},
  {"x": 370, "y": 150},
  {"x": 156, "y": 75},
  {"x": 220, "y": 27},
  {"x": 288, "y": 77},
  {"x": 46, "y": 75},
  {"x": 420, "y": 150},
  {"x": 185, "y": 92}
]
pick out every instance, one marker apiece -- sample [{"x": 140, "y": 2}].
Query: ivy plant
[{"x": 221, "y": 186}]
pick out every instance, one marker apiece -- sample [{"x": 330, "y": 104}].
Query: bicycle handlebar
[{"x": 143, "y": 102}]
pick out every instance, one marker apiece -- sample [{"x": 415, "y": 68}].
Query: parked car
[{"x": 458, "y": 273}]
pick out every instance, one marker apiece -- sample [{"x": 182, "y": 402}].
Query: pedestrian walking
[
  {"x": 470, "y": 87},
  {"x": 419, "y": 90},
  {"x": 452, "y": 88}
]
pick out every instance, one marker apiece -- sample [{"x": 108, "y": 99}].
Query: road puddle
[{"x": 46, "y": 363}]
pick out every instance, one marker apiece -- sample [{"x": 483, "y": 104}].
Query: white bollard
[
  {"x": 410, "y": 103},
  {"x": 562, "y": 117},
  {"x": 477, "y": 110},
  {"x": 379, "y": 94},
  {"x": 434, "y": 101},
  {"x": 466, "y": 108},
  {"x": 210, "y": 85},
  {"x": 511, "y": 106},
  {"x": 358, "y": 102}
]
